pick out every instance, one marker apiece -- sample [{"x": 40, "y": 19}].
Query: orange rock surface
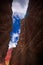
[{"x": 8, "y": 56}]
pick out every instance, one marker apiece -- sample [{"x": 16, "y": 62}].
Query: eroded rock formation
[
  {"x": 5, "y": 26},
  {"x": 29, "y": 50},
  {"x": 19, "y": 53}
]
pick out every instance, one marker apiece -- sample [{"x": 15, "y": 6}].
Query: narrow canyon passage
[{"x": 29, "y": 50}]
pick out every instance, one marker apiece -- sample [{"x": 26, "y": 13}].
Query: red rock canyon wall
[
  {"x": 5, "y": 26},
  {"x": 29, "y": 50}
]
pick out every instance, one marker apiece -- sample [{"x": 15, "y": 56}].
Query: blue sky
[{"x": 19, "y": 8}]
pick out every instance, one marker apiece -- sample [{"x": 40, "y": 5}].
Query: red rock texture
[
  {"x": 35, "y": 33},
  {"x": 8, "y": 55},
  {"x": 5, "y": 26},
  {"x": 29, "y": 50}
]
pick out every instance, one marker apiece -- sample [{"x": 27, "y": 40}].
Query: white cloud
[
  {"x": 22, "y": 2},
  {"x": 14, "y": 35},
  {"x": 17, "y": 7},
  {"x": 19, "y": 31},
  {"x": 13, "y": 20},
  {"x": 12, "y": 44},
  {"x": 13, "y": 41}
]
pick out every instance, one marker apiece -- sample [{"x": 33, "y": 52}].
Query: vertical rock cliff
[
  {"x": 29, "y": 50},
  {"x": 35, "y": 32},
  {"x": 5, "y": 27}
]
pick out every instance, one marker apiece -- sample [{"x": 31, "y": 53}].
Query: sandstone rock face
[
  {"x": 19, "y": 53},
  {"x": 35, "y": 33},
  {"x": 29, "y": 50},
  {"x": 5, "y": 26}
]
